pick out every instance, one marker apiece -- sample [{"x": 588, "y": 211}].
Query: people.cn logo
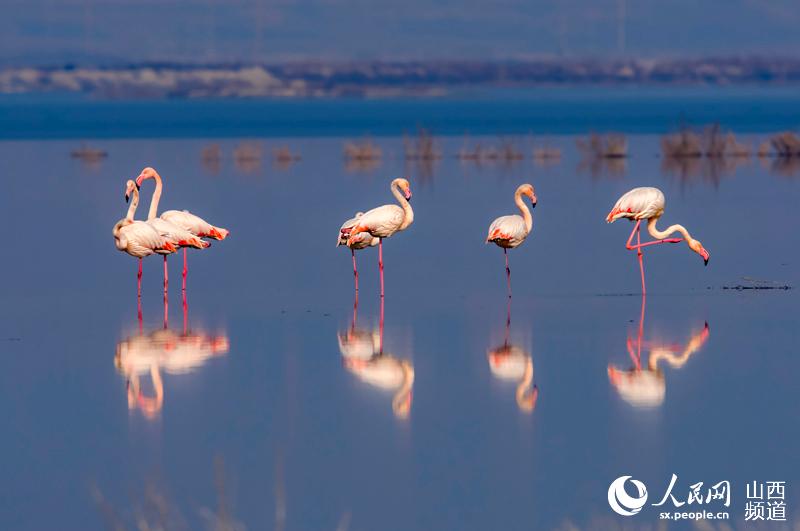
[{"x": 621, "y": 502}]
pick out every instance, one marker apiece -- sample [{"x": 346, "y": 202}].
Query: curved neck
[
  {"x": 153, "y": 213},
  {"x": 403, "y": 393},
  {"x": 134, "y": 204},
  {"x": 408, "y": 213},
  {"x": 527, "y": 380},
  {"x": 523, "y": 208},
  {"x": 672, "y": 229}
]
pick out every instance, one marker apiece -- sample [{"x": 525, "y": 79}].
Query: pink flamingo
[
  {"x": 362, "y": 241},
  {"x": 137, "y": 238},
  {"x": 648, "y": 203},
  {"x": 187, "y": 227},
  {"x": 383, "y": 221},
  {"x": 510, "y": 231}
]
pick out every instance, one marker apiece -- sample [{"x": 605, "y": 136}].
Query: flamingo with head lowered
[
  {"x": 362, "y": 241},
  {"x": 137, "y": 238},
  {"x": 184, "y": 225},
  {"x": 510, "y": 231},
  {"x": 648, "y": 203},
  {"x": 384, "y": 221}
]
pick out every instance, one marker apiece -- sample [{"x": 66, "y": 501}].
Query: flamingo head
[
  {"x": 404, "y": 187},
  {"x": 697, "y": 247},
  {"x": 528, "y": 191},
  {"x": 147, "y": 173},
  {"x": 129, "y": 186}
]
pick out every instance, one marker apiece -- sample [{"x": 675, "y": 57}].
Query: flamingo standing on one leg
[
  {"x": 184, "y": 220},
  {"x": 137, "y": 238},
  {"x": 648, "y": 203},
  {"x": 510, "y": 231},
  {"x": 383, "y": 221},
  {"x": 362, "y": 241}
]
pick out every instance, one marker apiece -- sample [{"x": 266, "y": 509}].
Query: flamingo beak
[
  {"x": 127, "y": 197},
  {"x": 408, "y": 194},
  {"x": 705, "y": 256}
]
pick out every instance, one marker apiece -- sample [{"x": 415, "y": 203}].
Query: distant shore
[{"x": 385, "y": 79}]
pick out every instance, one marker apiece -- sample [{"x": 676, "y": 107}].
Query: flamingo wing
[
  {"x": 640, "y": 203},
  {"x": 347, "y": 227},
  {"x": 383, "y": 221},
  {"x": 507, "y": 231},
  {"x": 176, "y": 235},
  {"x": 194, "y": 224},
  {"x": 143, "y": 240}
]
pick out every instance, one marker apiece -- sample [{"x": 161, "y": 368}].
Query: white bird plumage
[
  {"x": 137, "y": 238},
  {"x": 361, "y": 241},
  {"x": 510, "y": 231},
  {"x": 640, "y": 203}
]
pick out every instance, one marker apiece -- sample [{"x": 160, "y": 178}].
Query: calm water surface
[{"x": 260, "y": 405}]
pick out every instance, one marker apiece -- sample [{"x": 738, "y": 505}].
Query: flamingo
[
  {"x": 648, "y": 203},
  {"x": 645, "y": 387},
  {"x": 509, "y": 232},
  {"x": 137, "y": 238},
  {"x": 513, "y": 362},
  {"x": 167, "y": 350},
  {"x": 183, "y": 222},
  {"x": 384, "y": 221},
  {"x": 363, "y": 355},
  {"x": 363, "y": 240}
]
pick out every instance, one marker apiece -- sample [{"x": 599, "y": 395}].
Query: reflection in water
[
  {"x": 211, "y": 158},
  {"x": 512, "y": 362},
  {"x": 167, "y": 350},
  {"x": 645, "y": 386},
  {"x": 363, "y": 355},
  {"x": 689, "y": 170}
]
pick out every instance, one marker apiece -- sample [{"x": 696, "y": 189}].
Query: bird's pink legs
[
  {"x": 185, "y": 313},
  {"x": 380, "y": 327},
  {"x": 641, "y": 260},
  {"x": 380, "y": 263},
  {"x": 638, "y": 247},
  {"x": 355, "y": 269},
  {"x": 508, "y": 273},
  {"x": 166, "y": 276},
  {"x": 166, "y": 311},
  {"x": 139, "y": 315},
  {"x": 185, "y": 269},
  {"x": 139, "y": 280}
]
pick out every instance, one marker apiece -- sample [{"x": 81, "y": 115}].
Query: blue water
[
  {"x": 262, "y": 423},
  {"x": 561, "y": 110}
]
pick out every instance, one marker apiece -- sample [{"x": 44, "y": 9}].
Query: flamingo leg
[
  {"x": 139, "y": 280},
  {"x": 139, "y": 315},
  {"x": 185, "y": 268},
  {"x": 380, "y": 326},
  {"x": 166, "y": 311},
  {"x": 640, "y": 245},
  {"x": 508, "y": 273},
  {"x": 380, "y": 263},
  {"x": 166, "y": 276},
  {"x": 355, "y": 269},
  {"x": 639, "y": 254},
  {"x": 185, "y": 313}
]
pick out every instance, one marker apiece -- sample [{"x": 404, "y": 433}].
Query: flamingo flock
[
  {"x": 362, "y": 350},
  {"x": 180, "y": 229},
  {"x": 164, "y": 234}
]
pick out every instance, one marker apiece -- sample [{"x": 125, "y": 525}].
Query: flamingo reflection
[
  {"x": 163, "y": 349},
  {"x": 363, "y": 355},
  {"x": 645, "y": 386},
  {"x": 513, "y": 362}
]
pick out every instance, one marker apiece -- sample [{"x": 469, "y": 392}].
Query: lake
[{"x": 264, "y": 401}]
